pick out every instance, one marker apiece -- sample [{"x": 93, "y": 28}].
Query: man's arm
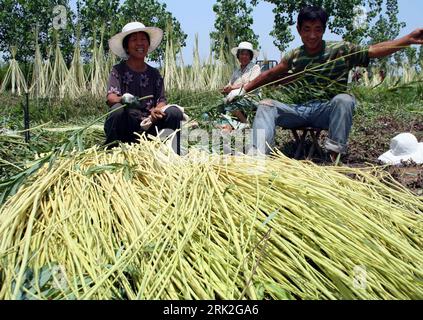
[
  {"x": 268, "y": 76},
  {"x": 387, "y": 48}
]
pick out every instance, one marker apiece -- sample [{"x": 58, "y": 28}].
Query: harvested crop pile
[{"x": 141, "y": 223}]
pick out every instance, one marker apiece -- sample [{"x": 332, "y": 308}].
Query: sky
[{"x": 197, "y": 16}]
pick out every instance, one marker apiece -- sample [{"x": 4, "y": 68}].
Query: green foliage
[
  {"x": 232, "y": 25},
  {"x": 21, "y": 21},
  {"x": 343, "y": 17},
  {"x": 411, "y": 54},
  {"x": 67, "y": 114},
  {"x": 385, "y": 29},
  {"x": 196, "y": 104},
  {"x": 420, "y": 58},
  {"x": 54, "y": 109},
  {"x": 94, "y": 15},
  {"x": 109, "y": 17}
]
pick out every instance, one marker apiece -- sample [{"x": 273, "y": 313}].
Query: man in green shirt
[{"x": 323, "y": 68}]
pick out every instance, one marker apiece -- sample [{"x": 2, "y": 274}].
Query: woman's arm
[
  {"x": 113, "y": 98},
  {"x": 156, "y": 113},
  {"x": 254, "y": 73},
  {"x": 229, "y": 87},
  {"x": 114, "y": 92}
]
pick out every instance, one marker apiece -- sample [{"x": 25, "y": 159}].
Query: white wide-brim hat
[
  {"x": 404, "y": 147},
  {"x": 245, "y": 46},
  {"x": 116, "y": 42}
]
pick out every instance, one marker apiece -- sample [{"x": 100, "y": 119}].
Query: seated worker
[
  {"x": 132, "y": 79},
  {"x": 324, "y": 68},
  {"x": 247, "y": 71}
]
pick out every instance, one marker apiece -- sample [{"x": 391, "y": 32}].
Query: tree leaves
[
  {"x": 342, "y": 18},
  {"x": 232, "y": 25},
  {"x": 20, "y": 20}
]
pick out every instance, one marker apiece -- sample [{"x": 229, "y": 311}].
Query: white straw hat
[
  {"x": 116, "y": 42},
  {"x": 403, "y": 147},
  {"x": 245, "y": 46}
]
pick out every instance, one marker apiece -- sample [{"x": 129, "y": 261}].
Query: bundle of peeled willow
[{"x": 139, "y": 222}]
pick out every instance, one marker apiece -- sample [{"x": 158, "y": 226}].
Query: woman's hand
[
  {"x": 156, "y": 114},
  {"x": 227, "y": 89}
]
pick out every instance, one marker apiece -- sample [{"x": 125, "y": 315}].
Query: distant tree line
[{"x": 23, "y": 23}]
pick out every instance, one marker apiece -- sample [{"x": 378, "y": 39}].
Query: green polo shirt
[{"x": 325, "y": 74}]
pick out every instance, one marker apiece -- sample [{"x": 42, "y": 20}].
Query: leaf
[
  {"x": 279, "y": 291},
  {"x": 99, "y": 169},
  {"x": 260, "y": 291}
]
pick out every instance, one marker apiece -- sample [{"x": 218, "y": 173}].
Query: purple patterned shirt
[{"x": 123, "y": 79}]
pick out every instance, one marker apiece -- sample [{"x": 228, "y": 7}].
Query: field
[
  {"x": 150, "y": 225},
  {"x": 381, "y": 114}
]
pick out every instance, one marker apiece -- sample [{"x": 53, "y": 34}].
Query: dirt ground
[{"x": 365, "y": 146}]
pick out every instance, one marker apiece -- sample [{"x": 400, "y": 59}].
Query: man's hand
[
  {"x": 416, "y": 37},
  {"x": 156, "y": 114},
  {"x": 233, "y": 94}
]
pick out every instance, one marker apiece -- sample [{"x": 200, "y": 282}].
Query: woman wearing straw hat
[
  {"x": 132, "y": 79},
  {"x": 247, "y": 71}
]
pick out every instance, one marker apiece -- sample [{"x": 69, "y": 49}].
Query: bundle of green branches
[
  {"x": 139, "y": 222},
  {"x": 15, "y": 152},
  {"x": 12, "y": 150}
]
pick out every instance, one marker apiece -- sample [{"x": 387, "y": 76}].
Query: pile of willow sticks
[{"x": 139, "y": 222}]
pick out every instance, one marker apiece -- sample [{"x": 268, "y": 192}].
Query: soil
[{"x": 365, "y": 146}]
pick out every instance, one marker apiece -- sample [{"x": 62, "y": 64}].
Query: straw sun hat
[
  {"x": 403, "y": 147},
  {"x": 245, "y": 46},
  {"x": 116, "y": 42}
]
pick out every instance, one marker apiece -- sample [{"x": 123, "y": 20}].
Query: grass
[{"x": 381, "y": 114}]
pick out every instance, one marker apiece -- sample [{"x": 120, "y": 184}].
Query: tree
[
  {"x": 153, "y": 14},
  {"x": 387, "y": 28},
  {"x": 21, "y": 21},
  {"x": 232, "y": 25},
  {"x": 411, "y": 54},
  {"x": 96, "y": 17},
  {"x": 343, "y": 15}
]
